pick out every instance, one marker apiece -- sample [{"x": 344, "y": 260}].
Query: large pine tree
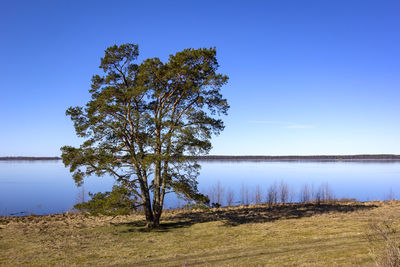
[{"x": 145, "y": 121}]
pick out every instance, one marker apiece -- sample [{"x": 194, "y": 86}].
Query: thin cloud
[
  {"x": 268, "y": 122},
  {"x": 283, "y": 124},
  {"x": 299, "y": 126}
]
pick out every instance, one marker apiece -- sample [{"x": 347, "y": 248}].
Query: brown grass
[
  {"x": 295, "y": 234},
  {"x": 385, "y": 242}
]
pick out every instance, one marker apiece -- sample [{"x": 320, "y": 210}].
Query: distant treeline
[
  {"x": 379, "y": 157},
  {"x": 30, "y": 158}
]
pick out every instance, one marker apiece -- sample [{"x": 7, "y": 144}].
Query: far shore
[
  {"x": 364, "y": 157},
  {"x": 361, "y": 157},
  {"x": 30, "y": 158}
]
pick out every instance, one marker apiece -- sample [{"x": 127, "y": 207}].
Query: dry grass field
[{"x": 284, "y": 235}]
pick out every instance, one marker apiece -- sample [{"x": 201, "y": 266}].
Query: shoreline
[{"x": 73, "y": 212}]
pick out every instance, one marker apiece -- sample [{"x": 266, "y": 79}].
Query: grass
[{"x": 284, "y": 235}]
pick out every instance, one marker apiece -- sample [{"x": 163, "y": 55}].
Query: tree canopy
[{"x": 145, "y": 121}]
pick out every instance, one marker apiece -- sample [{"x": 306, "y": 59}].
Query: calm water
[{"x": 43, "y": 187}]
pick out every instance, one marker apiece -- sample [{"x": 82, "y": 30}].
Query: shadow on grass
[
  {"x": 247, "y": 214},
  {"x": 261, "y": 214},
  {"x": 140, "y": 226}
]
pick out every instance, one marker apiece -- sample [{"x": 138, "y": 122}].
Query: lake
[{"x": 43, "y": 187}]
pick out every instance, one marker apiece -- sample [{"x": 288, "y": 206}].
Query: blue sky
[{"x": 306, "y": 77}]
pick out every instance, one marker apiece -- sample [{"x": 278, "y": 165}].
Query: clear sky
[{"x": 306, "y": 77}]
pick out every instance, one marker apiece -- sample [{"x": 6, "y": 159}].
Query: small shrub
[
  {"x": 230, "y": 195},
  {"x": 258, "y": 195},
  {"x": 272, "y": 195},
  {"x": 117, "y": 202},
  {"x": 196, "y": 206},
  {"x": 305, "y": 195},
  {"x": 283, "y": 192},
  {"x": 346, "y": 199},
  {"x": 324, "y": 194},
  {"x": 216, "y": 193},
  {"x": 215, "y": 205},
  {"x": 244, "y": 192}
]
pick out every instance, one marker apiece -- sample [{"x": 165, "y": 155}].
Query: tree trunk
[
  {"x": 147, "y": 206},
  {"x": 157, "y": 214},
  {"x": 149, "y": 214},
  {"x": 153, "y": 221},
  {"x": 153, "y": 214}
]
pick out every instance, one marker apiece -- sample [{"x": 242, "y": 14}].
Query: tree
[{"x": 145, "y": 121}]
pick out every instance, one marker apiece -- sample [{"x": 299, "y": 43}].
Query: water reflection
[{"x": 361, "y": 180}]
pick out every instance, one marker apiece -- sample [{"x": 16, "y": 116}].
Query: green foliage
[
  {"x": 144, "y": 121},
  {"x": 117, "y": 202}
]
